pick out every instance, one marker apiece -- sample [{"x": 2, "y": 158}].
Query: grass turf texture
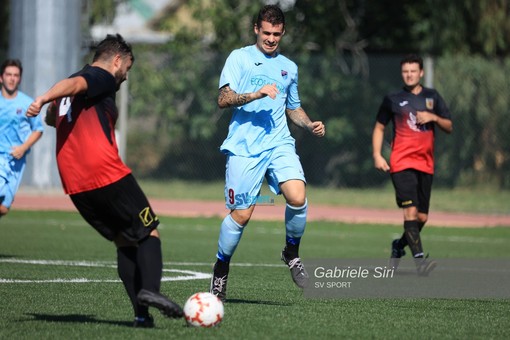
[
  {"x": 263, "y": 300},
  {"x": 469, "y": 200}
]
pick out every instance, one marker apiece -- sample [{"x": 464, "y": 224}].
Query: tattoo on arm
[
  {"x": 299, "y": 117},
  {"x": 228, "y": 97}
]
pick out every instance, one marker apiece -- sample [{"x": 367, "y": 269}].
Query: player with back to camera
[
  {"x": 18, "y": 133},
  {"x": 415, "y": 111},
  {"x": 261, "y": 85},
  {"x": 100, "y": 185}
]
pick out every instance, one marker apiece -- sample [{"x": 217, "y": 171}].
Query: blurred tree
[
  {"x": 469, "y": 27},
  {"x": 173, "y": 89},
  {"x": 479, "y": 150},
  {"x": 437, "y": 27},
  {"x": 187, "y": 113},
  {"x": 102, "y": 11}
]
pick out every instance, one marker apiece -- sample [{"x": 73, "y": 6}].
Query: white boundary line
[{"x": 185, "y": 274}]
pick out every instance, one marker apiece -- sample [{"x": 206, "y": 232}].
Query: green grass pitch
[{"x": 58, "y": 280}]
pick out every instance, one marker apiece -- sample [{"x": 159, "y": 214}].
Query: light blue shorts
[
  {"x": 11, "y": 171},
  {"x": 244, "y": 175}
]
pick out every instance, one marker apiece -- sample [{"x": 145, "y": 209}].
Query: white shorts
[{"x": 244, "y": 175}]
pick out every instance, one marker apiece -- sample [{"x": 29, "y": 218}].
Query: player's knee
[
  {"x": 294, "y": 192},
  {"x": 154, "y": 233},
  {"x": 297, "y": 201},
  {"x": 422, "y": 218},
  {"x": 410, "y": 213},
  {"x": 3, "y": 210},
  {"x": 241, "y": 217}
]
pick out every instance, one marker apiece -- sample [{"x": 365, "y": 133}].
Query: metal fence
[{"x": 175, "y": 128}]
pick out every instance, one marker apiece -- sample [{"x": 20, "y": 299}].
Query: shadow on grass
[
  {"x": 256, "y": 302},
  {"x": 75, "y": 318}
]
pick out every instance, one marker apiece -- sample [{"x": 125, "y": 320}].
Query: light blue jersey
[
  {"x": 260, "y": 125},
  {"x": 15, "y": 128}
]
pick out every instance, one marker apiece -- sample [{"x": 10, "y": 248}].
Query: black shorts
[
  {"x": 120, "y": 207},
  {"x": 412, "y": 189}
]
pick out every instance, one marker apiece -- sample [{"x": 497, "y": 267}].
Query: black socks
[
  {"x": 140, "y": 267},
  {"x": 130, "y": 276},
  {"x": 150, "y": 263},
  {"x": 291, "y": 251},
  {"x": 412, "y": 235},
  {"x": 402, "y": 242}
]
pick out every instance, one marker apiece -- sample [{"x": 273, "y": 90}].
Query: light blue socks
[
  {"x": 230, "y": 235},
  {"x": 295, "y": 223}
]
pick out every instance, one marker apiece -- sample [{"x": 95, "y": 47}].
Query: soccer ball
[{"x": 203, "y": 310}]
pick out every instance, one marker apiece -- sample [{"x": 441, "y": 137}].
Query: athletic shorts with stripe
[
  {"x": 413, "y": 189},
  {"x": 120, "y": 207},
  {"x": 244, "y": 175}
]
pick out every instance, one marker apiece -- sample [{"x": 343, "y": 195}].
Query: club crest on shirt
[
  {"x": 284, "y": 74},
  {"x": 19, "y": 111},
  {"x": 429, "y": 103}
]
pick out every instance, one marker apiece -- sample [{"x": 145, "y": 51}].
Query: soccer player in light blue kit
[
  {"x": 261, "y": 86},
  {"x": 17, "y": 132}
]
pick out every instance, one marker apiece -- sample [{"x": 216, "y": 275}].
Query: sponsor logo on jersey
[
  {"x": 65, "y": 108},
  {"x": 404, "y": 103},
  {"x": 258, "y": 64},
  {"x": 245, "y": 198},
  {"x": 260, "y": 80},
  {"x": 413, "y": 125}
]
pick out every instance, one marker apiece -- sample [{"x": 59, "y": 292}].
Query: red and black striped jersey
[
  {"x": 412, "y": 144},
  {"x": 87, "y": 152}
]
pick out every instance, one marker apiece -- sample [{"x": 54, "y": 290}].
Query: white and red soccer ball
[{"x": 203, "y": 310}]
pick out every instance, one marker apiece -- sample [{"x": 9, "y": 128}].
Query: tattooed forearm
[
  {"x": 227, "y": 97},
  {"x": 299, "y": 117}
]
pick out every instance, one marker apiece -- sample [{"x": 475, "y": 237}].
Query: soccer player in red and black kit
[
  {"x": 415, "y": 111},
  {"x": 101, "y": 186}
]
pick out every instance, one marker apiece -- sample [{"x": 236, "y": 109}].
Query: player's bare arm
[
  {"x": 424, "y": 117},
  {"x": 64, "y": 88},
  {"x": 300, "y": 118},
  {"x": 228, "y": 97},
  {"x": 377, "y": 142},
  {"x": 19, "y": 151}
]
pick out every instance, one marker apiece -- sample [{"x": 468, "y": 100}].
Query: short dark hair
[
  {"x": 412, "y": 59},
  {"x": 112, "y": 45},
  {"x": 271, "y": 14},
  {"x": 11, "y": 62}
]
